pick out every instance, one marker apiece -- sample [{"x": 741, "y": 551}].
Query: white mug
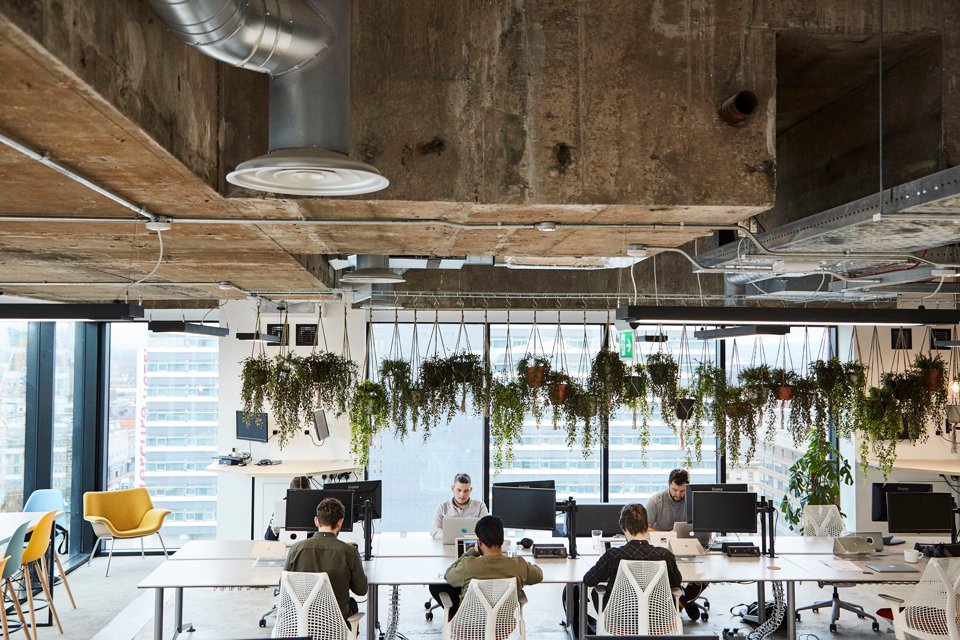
[{"x": 912, "y": 556}]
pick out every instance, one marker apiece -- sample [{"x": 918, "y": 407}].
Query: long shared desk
[{"x": 417, "y": 560}]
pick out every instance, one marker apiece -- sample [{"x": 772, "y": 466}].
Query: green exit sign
[{"x": 626, "y": 345}]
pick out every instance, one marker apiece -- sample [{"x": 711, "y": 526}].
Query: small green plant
[
  {"x": 663, "y": 373},
  {"x": 395, "y": 376},
  {"x": 254, "y": 379},
  {"x": 879, "y": 428},
  {"x": 608, "y": 381},
  {"x": 533, "y": 372},
  {"x": 291, "y": 395},
  {"x": 558, "y": 386},
  {"x": 333, "y": 378}
]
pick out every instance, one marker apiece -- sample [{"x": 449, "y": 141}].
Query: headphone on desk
[{"x": 526, "y": 543}]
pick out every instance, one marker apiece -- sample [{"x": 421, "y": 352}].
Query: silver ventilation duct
[{"x": 304, "y": 45}]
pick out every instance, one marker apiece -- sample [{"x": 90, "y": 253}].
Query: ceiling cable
[{"x": 155, "y": 267}]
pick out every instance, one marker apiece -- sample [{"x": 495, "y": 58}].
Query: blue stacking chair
[
  {"x": 52, "y": 500},
  {"x": 15, "y": 551}
]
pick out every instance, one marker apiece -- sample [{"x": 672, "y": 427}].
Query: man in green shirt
[
  {"x": 489, "y": 563},
  {"x": 324, "y": 553}
]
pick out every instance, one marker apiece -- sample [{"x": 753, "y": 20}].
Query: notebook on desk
[{"x": 892, "y": 567}]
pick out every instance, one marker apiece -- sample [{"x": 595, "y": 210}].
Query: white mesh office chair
[
  {"x": 641, "y": 602},
  {"x": 932, "y": 612},
  {"x": 825, "y": 521},
  {"x": 308, "y": 608},
  {"x": 822, "y": 521},
  {"x": 490, "y": 610}
]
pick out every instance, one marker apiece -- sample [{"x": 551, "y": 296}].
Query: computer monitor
[
  {"x": 362, "y": 489},
  {"x": 726, "y": 511},
  {"x": 529, "y": 484},
  {"x": 254, "y": 429},
  {"x": 302, "y": 508},
  {"x": 878, "y": 510},
  {"x": 605, "y": 517},
  {"x": 525, "y": 507},
  {"x": 320, "y": 425},
  {"x": 712, "y": 488},
  {"x": 920, "y": 512}
]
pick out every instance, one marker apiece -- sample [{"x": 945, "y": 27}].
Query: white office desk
[
  {"x": 10, "y": 521},
  {"x": 816, "y": 566},
  {"x": 286, "y": 469},
  {"x": 229, "y": 550},
  {"x": 198, "y": 574}
]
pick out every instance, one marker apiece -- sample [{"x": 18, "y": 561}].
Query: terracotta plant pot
[
  {"x": 557, "y": 392},
  {"x": 933, "y": 379},
  {"x": 685, "y": 408},
  {"x": 535, "y": 376},
  {"x": 785, "y": 392}
]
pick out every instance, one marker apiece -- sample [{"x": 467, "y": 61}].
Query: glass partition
[{"x": 13, "y": 412}]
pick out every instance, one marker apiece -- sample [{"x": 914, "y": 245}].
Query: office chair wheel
[
  {"x": 427, "y": 604},
  {"x": 706, "y": 605},
  {"x": 263, "y": 624},
  {"x": 797, "y": 616},
  {"x": 833, "y": 628},
  {"x": 429, "y": 616},
  {"x": 705, "y": 616},
  {"x": 861, "y": 617},
  {"x": 876, "y": 626},
  {"x": 815, "y": 610}
]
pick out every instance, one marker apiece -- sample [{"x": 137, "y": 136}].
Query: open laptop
[
  {"x": 661, "y": 538},
  {"x": 684, "y": 530},
  {"x": 686, "y": 547},
  {"x": 454, "y": 528},
  {"x": 892, "y": 567}
]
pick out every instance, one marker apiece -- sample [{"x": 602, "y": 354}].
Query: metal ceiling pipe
[
  {"x": 737, "y": 108},
  {"x": 269, "y": 36}
]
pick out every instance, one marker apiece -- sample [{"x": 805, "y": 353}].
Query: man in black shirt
[{"x": 633, "y": 523}]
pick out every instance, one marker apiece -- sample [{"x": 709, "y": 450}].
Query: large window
[
  {"x": 13, "y": 408},
  {"x": 768, "y": 472},
  {"x": 542, "y": 453},
  {"x": 417, "y": 472},
  {"x": 63, "y": 387},
  {"x": 163, "y": 424},
  {"x": 636, "y": 475}
]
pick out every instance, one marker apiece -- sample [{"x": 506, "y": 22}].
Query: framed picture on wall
[{"x": 306, "y": 335}]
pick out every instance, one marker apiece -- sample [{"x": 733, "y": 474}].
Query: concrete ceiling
[{"x": 479, "y": 113}]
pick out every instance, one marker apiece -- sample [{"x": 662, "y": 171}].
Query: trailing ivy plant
[
  {"x": 532, "y": 371},
  {"x": 395, "y": 377},
  {"x": 755, "y": 386},
  {"x": 663, "y": 373},
  {"x": 369, "y": 414},
  {"x": 441, "y": 392},
  {"x": 815, "y": 479},
  {"x": 333, "y": 378},
  {"x": 254, "y": 380},
  {"x": 839, "y": 395},
  {"x": 290, "y": 394},
  {"x": 558, "y": 387},
  {"x": 879, "y": 428},
  {"x": 507, "y": 411},
  {"x": 608, "y": 381},
  {"x": 636, "y": 389},
  {"x": 580, "y": 413},
  {"x": 801, "y": 409},
  {"x": 472, "y": 378},
  {"x": 709, "y": 392}
]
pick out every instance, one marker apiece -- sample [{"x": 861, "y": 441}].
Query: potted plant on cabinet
[
  {"x": 369, "y": 414},
  {"x": 815, "y": 479}
]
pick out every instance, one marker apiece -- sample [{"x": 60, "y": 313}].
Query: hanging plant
[
  {"x": 932, "y": 372},
  {"x": 532, "y": 371},
  {"x": 815, "y": 479},
  {"x": 801, "y": 408},
  {"x": 332, "y": 378},
  {"x": 557, "y": 384},
  {"x": 743, "y": 421},
  {"x": 879, "y": 428},
  {"x": 580, "y": 412},
  {"x": 756, "y": 389},
  {"x": 635, "y": 398},
  {"x": 369, "y": 414},
  {"x": 290, "y": 394},
  {"x": 441, "y": 392},
  {"x": 709, "y": 393},
  {"x": 254, "y": 380},
  {"x": 663, "y": 372},
  {"x": 472, "y": 378},
  {"x": 608, "y": 381},
  {"x": 395, "y": 377},
  {"x": 508, "y": 409}
]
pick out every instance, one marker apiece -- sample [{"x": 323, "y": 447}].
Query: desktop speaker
[
  {"x": 549, "y": 550},
  {"x": 743, "y": 552}
]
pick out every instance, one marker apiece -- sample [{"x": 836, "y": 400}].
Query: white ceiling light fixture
[
  {"x": 546, "y": 226},
  {"x": 637, "y": 251},
  {"x": 372, "y": 269},
  {"x": 308, "y": 172}
]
